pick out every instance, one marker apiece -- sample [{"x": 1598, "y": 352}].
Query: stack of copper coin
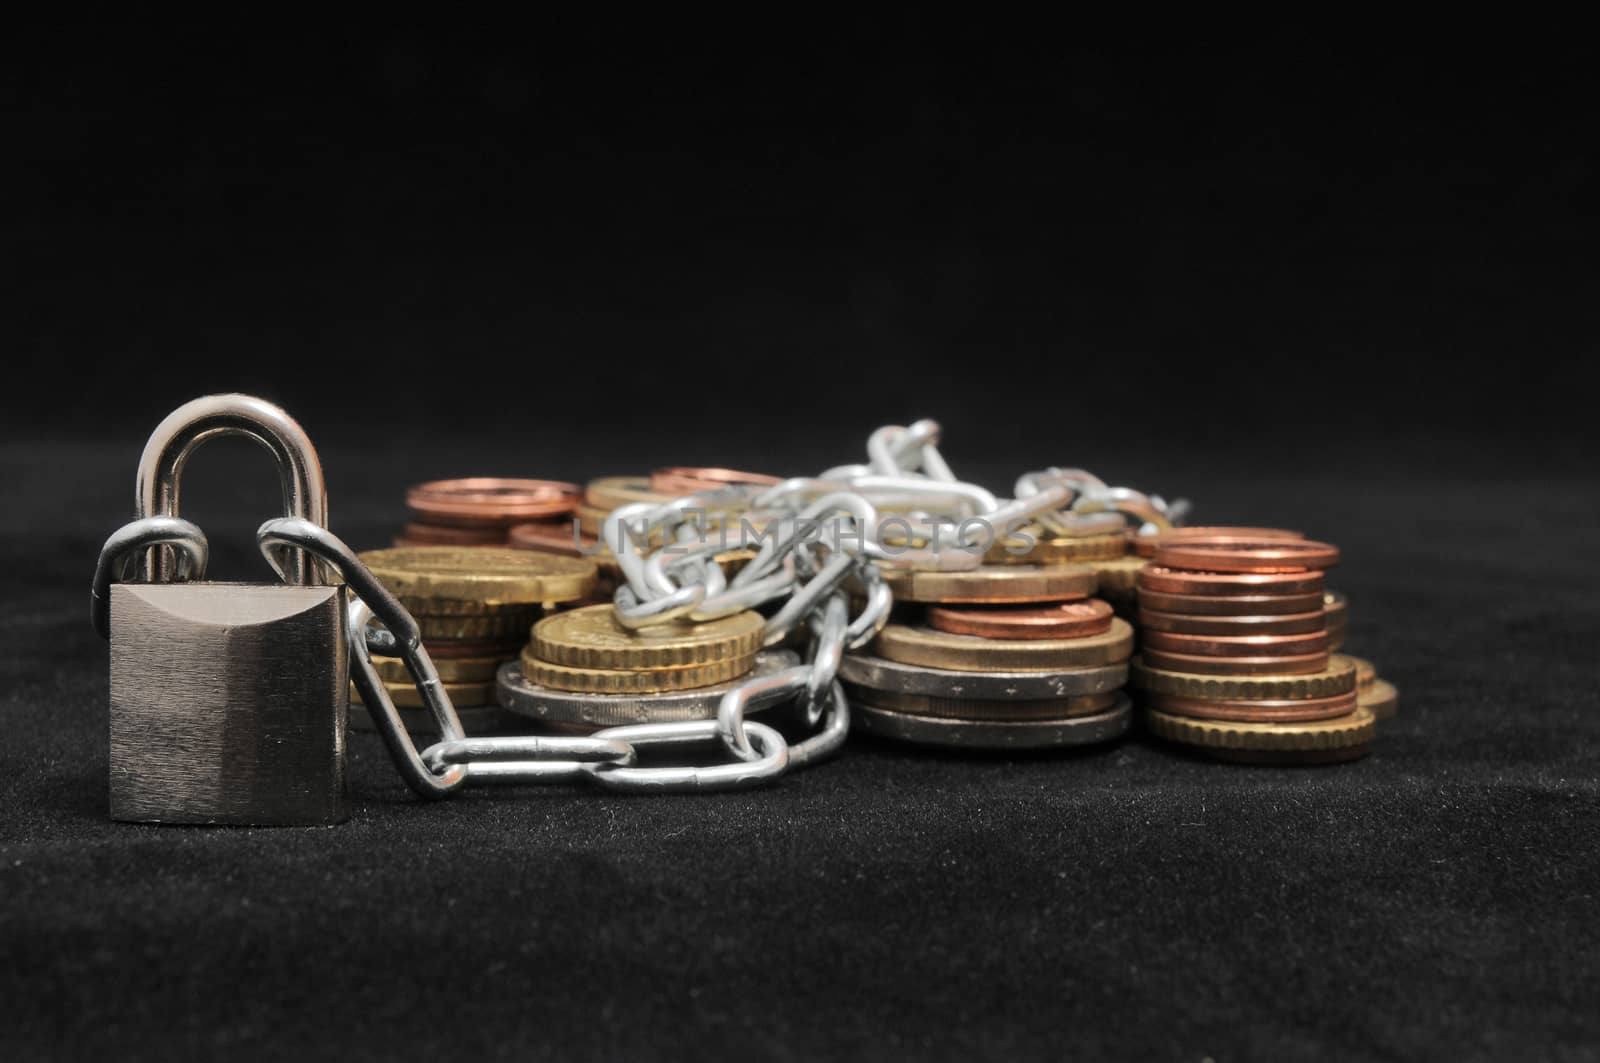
[
  {"x": 1235, "y": 656},
  {"x": 475, "y": 606},
  {"x": 583, "y": 670},
  {"x": 1006, "y": 656},
  {"x": 481, "y": 510}
]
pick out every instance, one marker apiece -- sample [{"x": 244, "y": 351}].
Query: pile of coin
[
  {"x": 1005, "y": 656},
  {"x": 1235, "y": 651},
  {"x": 583, "y": 670},
  {"x": 475, "y": 606},
  {"x": 481, "y": 510}
]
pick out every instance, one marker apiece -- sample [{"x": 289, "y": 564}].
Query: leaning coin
[
  {"x": 971, "y": 653},
  {"x": 485, "y": 574},
  {"x": 591, "y": 638},
  {"x": 994, "y": 734},
  {"x": 1381, "y": 699},
  {"x": 877, "y": 673},
  {"x": 527, "y": 698},
  {"x": 993, "y": 584},
  {"x": 1339, "y": 677}
]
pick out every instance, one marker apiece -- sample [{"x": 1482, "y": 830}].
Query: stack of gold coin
[
  {"x": 480, "y": 510},
  {"x": 586, "y": 651},
  {"x": 1006, "y": 656},
  {"x": 475, "y": 606},
  {"x": 1235, "y": 653}
]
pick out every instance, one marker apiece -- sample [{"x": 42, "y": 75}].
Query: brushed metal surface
[{"x": 228, "y": 704}]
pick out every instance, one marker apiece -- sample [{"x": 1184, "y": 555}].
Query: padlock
[{"x": 228, "y": 700}]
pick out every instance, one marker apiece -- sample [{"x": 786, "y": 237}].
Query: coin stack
[
  {"x": 475, "y": 606},
  {"x": 1098, "y": 541},
  {"x": 1006, "y": 656},
  {"x": 1235, "y": 654},
  {"x": 583, "y": 670},
  {"x": 481, "y": 510}
]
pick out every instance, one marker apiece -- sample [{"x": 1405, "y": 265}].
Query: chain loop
[{"x": 124, "y": 548}]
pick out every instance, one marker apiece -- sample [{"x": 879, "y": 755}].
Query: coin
[
  {"x": 1381, "y": 699},
  {"x": 1256, "y": 710},
  {"x": 1339, "y": 677},
  {"x": 1366, "y": 672},
  {"x": 446, "y": 535},
  {"x": 460, "y": 607},
  {"x": 970, "y": 653},
  {"x": 1165, "y": 580},
  {"x": 614, "y": 492},
  {"x": 405, "y": 695},
  {"x": 1287, "y": 624},
  {"x": 879, "y": 673},
  {"x": 506, "y": 624},
  {"x": 1117, "y": 575},
  {"x": 1236, "y": 646},
  {"x": 1241, "y": 605},
  {"x": 1200, "y": 664},
  {"x": 591, "y": 638},
  {"x": 1049, "y": 550},
  {"x": 980, "y": 709},
  {"x": 633, "y": 680},
  {"x": 1343, "y": 732},
  {"x": 450, "y": 670},
  {"x": 993, "y": 584},
  {"x": 1336, "y": 607},
  {"x": 1245, "y": 554},
  {"x": 490, "y": 500},
  {"x": 994, "y": 734},
  {"x": 1060, "y": 620},
  {"x": 689, "y": 480},
  {"x": 1214, "y": 531},
  {"x": 564, "y": 707},
  {"x": 458, "y": 649},
  {"x": 481, "y": 573}
]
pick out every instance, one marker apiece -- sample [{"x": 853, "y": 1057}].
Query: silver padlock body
[{"x": 228, "y": 703}]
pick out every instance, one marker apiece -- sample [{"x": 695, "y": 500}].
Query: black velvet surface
[{"x": 1434, "y": 900}]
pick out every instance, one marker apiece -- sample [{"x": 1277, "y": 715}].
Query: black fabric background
[{"x": 1343, "y": 285}]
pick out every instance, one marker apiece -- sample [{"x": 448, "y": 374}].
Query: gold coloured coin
[
  {"x": 1117, "y": 575},
  {"x": 1311, "y": 736},
  {"x": 981, "y": 709},
  {"x": 1366, "y": 672},
  {"x": 993, "y": 584},
  {"x": 450, "y": 669},
  {"x": 492, "y": 575},
  {"x": 633, "y": 681},
  {"x": 511, "y": 623},
  {"x": 1053, "y": 550},
  {"x": 420, "y": 606},
  {"x": 1381, "y": 699},
  {"x": 932, "y": 648},
  {"x": 591, "y": 638},
  {"x": 405, "y": 695},
  {"x": 1339, "y": 677},
  {"x": 613, "y": 492}
]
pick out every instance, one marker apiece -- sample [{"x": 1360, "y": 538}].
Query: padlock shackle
[{"x": 305, "y": 495}]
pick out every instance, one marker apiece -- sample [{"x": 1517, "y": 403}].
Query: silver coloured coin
[
  {"x": 526, "y": 698},
  {"x": 876, "y": 673},
  {"x": 995, "y": 734}
]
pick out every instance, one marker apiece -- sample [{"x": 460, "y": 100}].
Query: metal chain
[{"x": 823, "y": 543}]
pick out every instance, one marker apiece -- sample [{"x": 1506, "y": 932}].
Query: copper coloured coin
[
  {"x": 416, "y": 534},
  {"x": 1145, "y": 545},
  {"x": 554, "y": 537},
  {"x": 691, "y": 479},
  {"x": 1172, "y": 581},
  {"x": 1285, "y": 624},
  {"x": 1198, "y": 664},
  {"x": 1215, "y": 605},
  {"x": 1062, "y": 620},
  {"x": 1276, "y": 710},
  {"x": 1229, "y": 553},
  {"x": 1236, "y": 645},
  {"x": 491, "y": 500}
]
